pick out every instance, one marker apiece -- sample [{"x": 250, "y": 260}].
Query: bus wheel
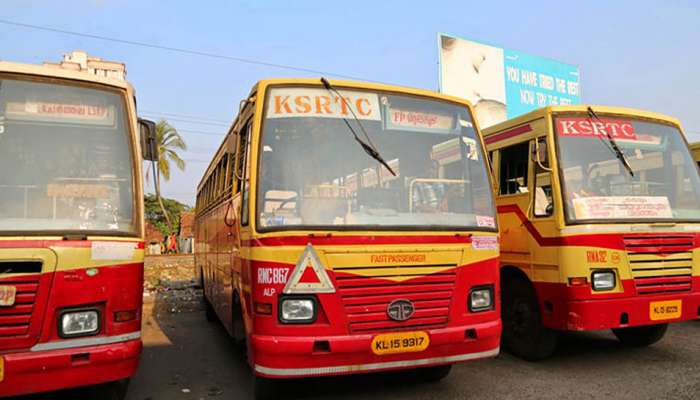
[
  {"x": 265, "y": 389},
  {"x": 523, "y": 332},
  {"x": 239, "y": 333},
  {"x": 640, "y": 336},
  {"x": 209, "y": 312},
  {"x": 436, "y": 373}
]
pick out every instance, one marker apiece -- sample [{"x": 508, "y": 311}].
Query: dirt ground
[{"x": 170, "y": 281}]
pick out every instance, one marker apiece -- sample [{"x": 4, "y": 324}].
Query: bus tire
[
  {"x": 640, "y": 336},
  {"x": 524, "y": 335},
  {"x": 436, "y": 373},
  {"x": 237, "y": 319},
  {"x": 209, "y": 312},
  {"x": 265, "y": 389}
]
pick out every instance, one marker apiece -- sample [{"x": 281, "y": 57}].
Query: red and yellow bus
[
  {"x": 599, "y": 209},
  {"x": 71, "y": 231},
  {"x": 347, "y": 227},
  {"x": 695, "y": 151}
]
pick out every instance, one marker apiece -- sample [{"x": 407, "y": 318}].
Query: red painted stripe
[
  {"x": 508, "y": 134},
  {"x": 613, "y": 241},
  {"x": 405, "y": 288},
  {"x": 350, "y": 274},
  {"x": 35, "y": 244},
  {"x": 32, "y": 278},
  {"x": 345, "y": 280},
  {"x": 355, "y": 240}
]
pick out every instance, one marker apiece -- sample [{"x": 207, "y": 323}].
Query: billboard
[{"x": 503, "y": 83}]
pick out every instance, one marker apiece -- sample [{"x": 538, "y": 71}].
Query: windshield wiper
[
  {"x": 613, "y": 144},
  {"x": 368, "y": 146}
]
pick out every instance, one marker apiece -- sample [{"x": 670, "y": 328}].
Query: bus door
[
  {"x": 220, "y": 259},
  {"x": 544, "y": 255},
  {"x": 236, "y": 223},
  {"x": 224, "y": 239},
  {"x": 513, "y": 200}
]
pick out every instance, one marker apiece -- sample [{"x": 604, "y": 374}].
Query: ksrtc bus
[
  {"x": 347, "y": 227},
  {"x": 599, "y": 210},
  {"x": 71, "y": 230}
]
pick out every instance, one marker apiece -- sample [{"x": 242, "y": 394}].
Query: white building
[{"x": 79, "y": 60}]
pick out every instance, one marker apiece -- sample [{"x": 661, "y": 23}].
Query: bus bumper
[
  {"x": 294, "y": 357},
  {"x": 48, "y": 370},
  {"x": 583, "y": 315}
]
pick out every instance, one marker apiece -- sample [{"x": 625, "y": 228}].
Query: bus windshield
[
  {"x": 662, "y": 182},
  {"x": 314, "y": 173},
  {"x": 65, "y": 159}
]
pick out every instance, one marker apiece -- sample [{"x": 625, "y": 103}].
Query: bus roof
[
  {"x": 695, "y": 149},
  {"x": 61, "y": 73},
  {"x": 544, "y": 111},
  {"x": 359, "y": 85},
  {"x": 264, "y": 83}
]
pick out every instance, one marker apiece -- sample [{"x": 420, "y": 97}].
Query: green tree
[
  {"x": 169, "y": 143},
  {"x": 154, "y": 213}
]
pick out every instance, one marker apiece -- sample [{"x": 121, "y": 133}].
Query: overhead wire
[
  {"x": 190, "y": 52},
  {"x": 177, "y": 49},
  {"x": 195, "y": 132},
  {"x": 195, "y": 117},
  {"x": 188, "y": 121}
]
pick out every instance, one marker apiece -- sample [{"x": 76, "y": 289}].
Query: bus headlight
[
  {"x": 297, "y": 310},
  {"x": 481, "y": 299},
  {"x": 79, "y": 323},
  {"x": 603, "y": 280}
]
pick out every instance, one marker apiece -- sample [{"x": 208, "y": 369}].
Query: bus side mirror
[
  {"x": 149, "y": 141},
  {"x": 539, "y": 155},
  {"x": 549, "y": 210}
]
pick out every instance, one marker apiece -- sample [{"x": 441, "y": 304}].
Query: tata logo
[{"x": 400, "y": 310}]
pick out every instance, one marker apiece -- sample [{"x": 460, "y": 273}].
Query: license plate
[
  {"x": 661, "y": 310},
  {"x": 403, "y": 342},
  {"x": 7, "y": 296}
]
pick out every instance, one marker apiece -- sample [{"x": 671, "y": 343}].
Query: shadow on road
[
  {"x": 186, "y": 357},
  {"x": 200, "y": 361},
  {"x": 591, "y": 346}
]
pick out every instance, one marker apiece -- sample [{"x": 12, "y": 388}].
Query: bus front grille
[
  {"x": 663, "y": 284},
  {"x": 661, "y": 264},
  {"x": 366, "y": 293},
  {"x": 15, "y": 320}
]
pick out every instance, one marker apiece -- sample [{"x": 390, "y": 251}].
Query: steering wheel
[
  {"x": 283, "y": 202},
  {"x": 594, "y": 182}
]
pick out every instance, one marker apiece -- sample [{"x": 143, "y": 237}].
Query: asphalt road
[{"x": 186, "y": 357}]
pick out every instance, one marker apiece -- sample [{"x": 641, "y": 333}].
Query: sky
[{"x": 641, "y": 54}]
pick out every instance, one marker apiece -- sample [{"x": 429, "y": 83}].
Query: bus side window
[
  {"x": 242, "y": 171},
  {"x": 513, "y": 168},
  {"x": 544, "y": 204}
]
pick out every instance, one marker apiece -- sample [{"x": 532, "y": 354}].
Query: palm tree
[{"x": 169, "y": 142}]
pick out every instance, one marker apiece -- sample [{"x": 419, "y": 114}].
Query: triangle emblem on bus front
[{"x": 309, "y": 275}]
